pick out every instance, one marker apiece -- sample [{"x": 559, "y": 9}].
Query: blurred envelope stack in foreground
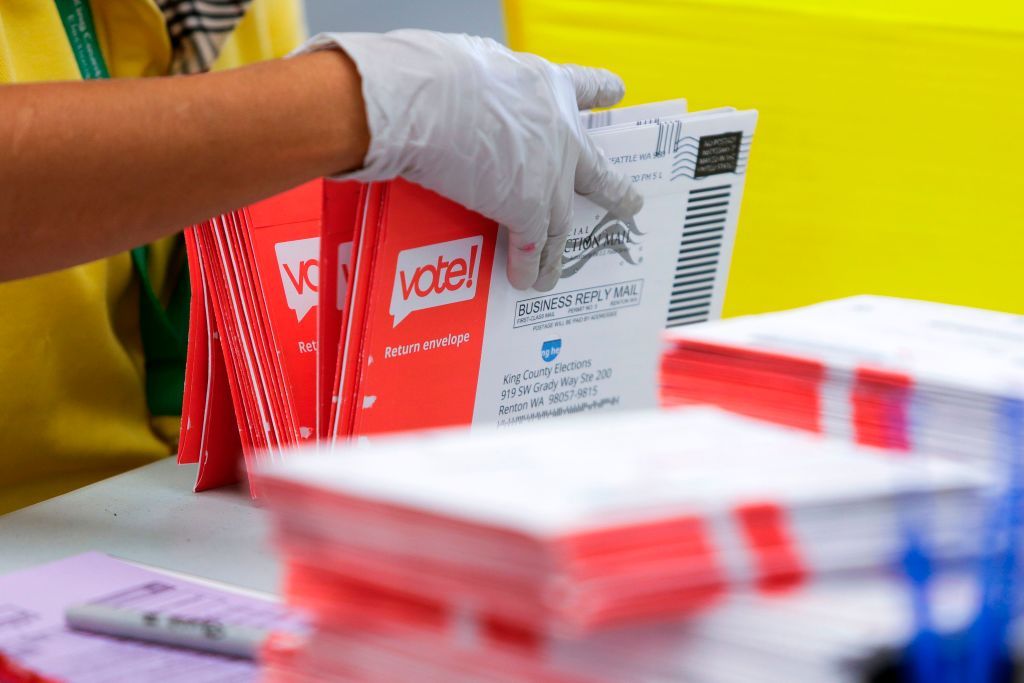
[
  {"x": 479, "y": 555},
  {"x": 840, "y": 632}
]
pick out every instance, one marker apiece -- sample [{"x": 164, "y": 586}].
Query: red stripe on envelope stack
[
  {"x": 479, "y": 555},
  {"x": 772, "y": 386}
]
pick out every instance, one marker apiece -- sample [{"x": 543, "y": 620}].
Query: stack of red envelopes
[
  {"x": 275, "y": 283},
  {"x": 404, "y": 351},
  {"x": 250, "y": 375}
]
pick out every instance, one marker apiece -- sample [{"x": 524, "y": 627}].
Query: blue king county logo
[{"x": 549, "y": 349}]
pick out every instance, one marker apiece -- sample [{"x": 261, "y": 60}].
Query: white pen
[{"x": 198, "y": 634}]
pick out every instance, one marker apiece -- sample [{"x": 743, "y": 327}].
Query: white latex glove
[{"x": 495, "y": 130}]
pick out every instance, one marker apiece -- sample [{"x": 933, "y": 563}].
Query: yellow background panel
[{"x": 888, "y": 150}]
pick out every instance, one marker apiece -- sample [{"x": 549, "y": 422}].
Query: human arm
[{"x": 88, "y": 169}]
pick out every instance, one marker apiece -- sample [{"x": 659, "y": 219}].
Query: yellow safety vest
[{"x": 73, "y": 402}]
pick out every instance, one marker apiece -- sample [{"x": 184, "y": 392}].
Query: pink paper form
[{"x": 32, "y": 630}]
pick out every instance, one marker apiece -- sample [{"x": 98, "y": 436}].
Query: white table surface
[{"x": 149, "y": 515}]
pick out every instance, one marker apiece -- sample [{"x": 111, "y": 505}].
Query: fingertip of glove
[
  {"x": 595, "y": 87},
  {"x": 611, "y": 89},
  {"x": 518, "y": 283},
  {"x": 548, "y": 278},
  {"x": 521, "y": 275}
]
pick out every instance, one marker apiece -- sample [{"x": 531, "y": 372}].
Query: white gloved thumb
[{"x": 599, "y": 182}]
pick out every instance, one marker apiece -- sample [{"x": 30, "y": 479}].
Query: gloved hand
[{"x": 495, "y": 130}]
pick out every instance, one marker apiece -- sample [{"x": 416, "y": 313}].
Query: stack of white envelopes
[{"x": 880, "y": 371}]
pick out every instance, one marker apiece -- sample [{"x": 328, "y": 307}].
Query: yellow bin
[{"x": 890, "y": 140}]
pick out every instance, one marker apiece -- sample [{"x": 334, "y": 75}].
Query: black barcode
[{"x": 700, "y": 251}]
